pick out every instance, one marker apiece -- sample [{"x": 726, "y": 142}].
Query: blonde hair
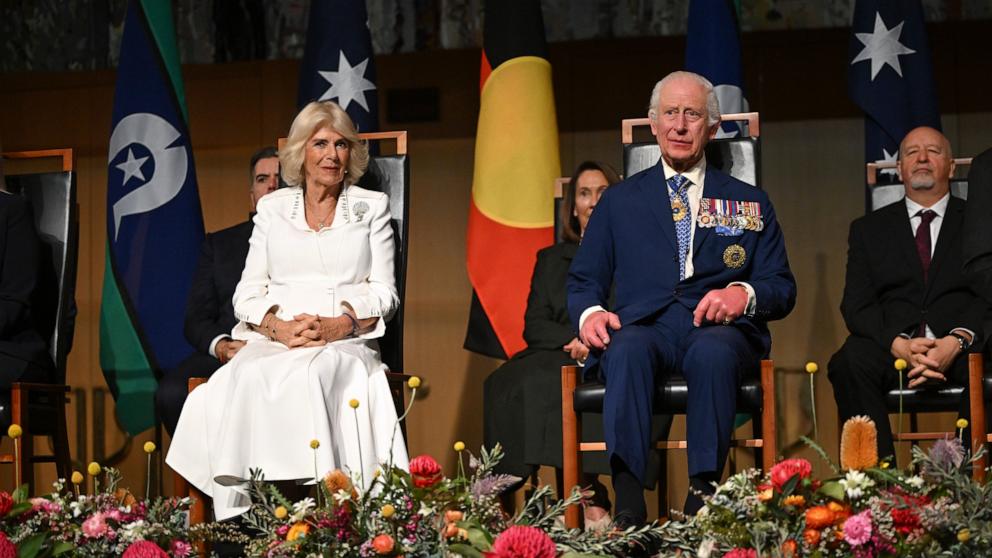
[{"x": 312, "y": 118}]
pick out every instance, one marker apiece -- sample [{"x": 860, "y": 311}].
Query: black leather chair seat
[
  {"x": 671, "y": 396},
  {"x": 945, "y": 399}
]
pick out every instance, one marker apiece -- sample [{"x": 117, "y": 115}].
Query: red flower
[
  {"x": 6, "y": 502},
  {"x": 742, "y": 552},
  {"x": 903, "y": 512},
  {"x": 783, "y": 471},
  {"x": 425, "y": 471},
  {"x": 144, "y": 549},
  {"x": 522, "y": 541},
  {"x": 7, "y": 548},
  {"x": 383, "y": 544}
]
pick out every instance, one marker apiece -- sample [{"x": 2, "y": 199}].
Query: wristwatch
[{"x": 963, "y": 341}]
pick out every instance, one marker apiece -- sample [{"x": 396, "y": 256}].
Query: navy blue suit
[{"x": 631, "y": 242}]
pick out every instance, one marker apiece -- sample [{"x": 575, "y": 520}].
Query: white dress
[{"x": 262, "y": 409}]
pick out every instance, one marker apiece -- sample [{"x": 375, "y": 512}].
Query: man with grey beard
[{"x": 905, "y": 294}]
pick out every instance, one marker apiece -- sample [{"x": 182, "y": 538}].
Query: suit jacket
[
  {"x": 885, "y": 294},
  {"x": 630, "y": 242},
  {"x": 209, "y": 309},
  {"x": 977, "y": 236},
  {"x": 20, "y": 340}
]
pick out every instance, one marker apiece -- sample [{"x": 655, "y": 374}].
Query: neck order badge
[{"x": 154, "y": 222}]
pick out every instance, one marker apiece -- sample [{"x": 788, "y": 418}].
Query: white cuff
[
  {"x": 213, "y": 344},
  {"x": 751, "y": 300},
  {"x": 587, "y": 312}
]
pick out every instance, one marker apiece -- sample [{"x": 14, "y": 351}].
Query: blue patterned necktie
[{"x": 679, "y": 196}]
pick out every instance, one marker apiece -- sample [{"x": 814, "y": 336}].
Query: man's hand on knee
[
  {"x": 720, "y": 306},
  {"x": 596, "y": 329}
]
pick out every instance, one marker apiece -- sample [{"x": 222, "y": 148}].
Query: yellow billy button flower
[
  {"x": 388, "y": 510},
  {"x": 459, "y": 446},
  {"x": 353, "y": 403},
  {"x": 964, "y": 535},
  {"x": 93, "y": 469},
  {"x": 413, "y": 382},
  {"x": 280, "y": 512},
  {"x": 149, "y": 447},
  {"x": 884, "y": 465},
  {"x": 812, "y": 368},
  {"x": 962, "y": 423},
  {"x": 15, "y": 431},
  {"x": 77, "y": 477},
  {"x": 901, "y": 364},
  {"x": 314, "y": 444}
]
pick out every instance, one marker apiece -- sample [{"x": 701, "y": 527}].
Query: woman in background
[{"x": 522, "y": 398}]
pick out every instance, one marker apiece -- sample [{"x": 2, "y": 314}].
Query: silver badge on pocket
[{"x": 361, "y": 208}]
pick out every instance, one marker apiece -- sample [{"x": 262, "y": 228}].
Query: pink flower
[
  {"x": 7, "y": 548},
  {"x": 741, "y": 553},
  {"x": 144, "y": 549},
  {"x": 95, "y": 526},
  {"x": 784, "y": 470},
  {"x": 181, "y": 549},
  {"x": 522, "y": 541},
  {"x": 857, "y": 529},
  {"x": 6, "y": 502},
  {"x": 425, "y": 471},
  {"x": 44, "y": 505}
]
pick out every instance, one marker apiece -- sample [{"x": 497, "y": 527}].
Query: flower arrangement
[
  {"x": 422, "y": 512},
  {"x": 109, "y": 522},
  {"x": 867, "y": 510}
]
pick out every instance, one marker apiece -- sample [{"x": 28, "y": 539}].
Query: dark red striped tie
[{"x": 923, "y": 244}]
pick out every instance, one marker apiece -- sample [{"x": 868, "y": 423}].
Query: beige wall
[{"x": 812, "y": 170}]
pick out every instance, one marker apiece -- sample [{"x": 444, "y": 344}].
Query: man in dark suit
[
  {"x": 699, "y": 266},
  {"x": 24, "y": 355},
  {"x": 905, "y": 294},
  {"x": 977, "y": 232},
  {"x": 209, "y": 310}
]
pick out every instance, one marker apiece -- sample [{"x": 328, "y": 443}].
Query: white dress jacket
[{"x": 263, "y": 409}]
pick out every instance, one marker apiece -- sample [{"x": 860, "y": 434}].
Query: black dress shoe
[{"x": 702, "y": 484}]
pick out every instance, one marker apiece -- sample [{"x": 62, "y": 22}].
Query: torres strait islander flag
[
  {"x": 154, "y": 222},
  {"x": 516, "y": 162}
]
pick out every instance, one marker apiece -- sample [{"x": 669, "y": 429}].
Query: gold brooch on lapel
[{"x": 734, "y": 256}]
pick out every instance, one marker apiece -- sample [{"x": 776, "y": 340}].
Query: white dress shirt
[{"x": 940, "y": 209}]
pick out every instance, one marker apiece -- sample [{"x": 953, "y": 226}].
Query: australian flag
[
  {"x": 713, "y": 50},
  {"x": 338, "y": 63},
  {"x": 890, "y": 74}
]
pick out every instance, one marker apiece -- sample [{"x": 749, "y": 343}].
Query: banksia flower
[{"x": 859, "y": 444}]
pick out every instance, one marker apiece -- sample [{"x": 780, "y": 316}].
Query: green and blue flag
[{"x": 154, "y": 221}]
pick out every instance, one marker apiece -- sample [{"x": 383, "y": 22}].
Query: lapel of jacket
[
  {"x": 952, "y": 219},
  {"x": 714, "y": 186},
  {"x": 898, "y": 222},
  {"x": 654, "y": 191}
]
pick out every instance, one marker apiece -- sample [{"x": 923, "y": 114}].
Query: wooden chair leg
[
  {"x": 769, "y": 434},
  {"x": 570, "y": 425},
  {"x": 976, "y": 404},
  {"x": 63, "y": 461}
]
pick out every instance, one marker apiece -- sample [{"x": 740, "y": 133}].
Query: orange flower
[
  {"x": 811, "y": 536},
  {"x": 765, "y": 492},
  {"x": 819, "y": 517},
  {"x": 337, "y": 480},
  {"x": 383, "y": 544},
  {"x": 450, "y": 530},
  {"x": 790, "y": 549},
  {"x": 795, "y": 500},
  {"x": 841, "y": 512},
  {"x": 124, "y": 497},
  {"x": 297, "y": 530},
  {"x": 453, "y": 515}
]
